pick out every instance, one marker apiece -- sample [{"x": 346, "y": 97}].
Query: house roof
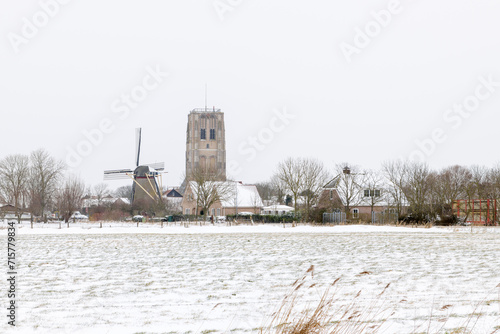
[
  {"x": 247, "y": 195},
  {"x": 172, "y": 193},
  {"x": 278, "y": 207},
  {"x": 8, "y": 208},
  {"x": 89, "y": 202},
  {"x": 333, "y": 183}
]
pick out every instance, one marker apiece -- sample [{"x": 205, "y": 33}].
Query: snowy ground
[{"x": 203, "y": 279}]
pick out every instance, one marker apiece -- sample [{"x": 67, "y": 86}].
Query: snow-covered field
[{"x": 203, "y": 279}]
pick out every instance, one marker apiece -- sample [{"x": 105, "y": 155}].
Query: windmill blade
[
  {"x": 159, "y": 166},
  {"x": 118, "y": 171},
  {"x": 137, "y": 145},
  {"x": 117, "y": 174}
]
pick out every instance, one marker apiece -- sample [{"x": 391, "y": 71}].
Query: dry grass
[
  {"x": 332, "y": 316},
  {"x": 328, "y": 315}
]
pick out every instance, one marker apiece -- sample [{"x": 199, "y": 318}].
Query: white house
[{"x": 277, "y": 210}]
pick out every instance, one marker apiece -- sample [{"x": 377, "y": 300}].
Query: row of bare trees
[
  {"x": 405, "y": 187},
  {"x": 430, "y": 193},
  {"x": 301, "y": 177},
  {"x": 36, "y": 183},
  {"x": 304, "y": 180}
]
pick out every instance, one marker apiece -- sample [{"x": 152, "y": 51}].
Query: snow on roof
[
  {"x": 89, "y": 202},
  {"x": 124, "y": 200},
  {"x": 278, "y": 207},
  {"x": 247, "y": 195}
]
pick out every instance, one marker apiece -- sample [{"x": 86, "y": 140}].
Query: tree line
[
  {"x": 40, "y": 184},
  {"x": 412, "y": 190},
  {"x": 36, "y": 183}
]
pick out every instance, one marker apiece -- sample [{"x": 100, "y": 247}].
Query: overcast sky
[{"x": 342, "y": 81}]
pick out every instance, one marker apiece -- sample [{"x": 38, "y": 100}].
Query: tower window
[
  {"x": 212, "y": 134},
  {"x": 203, "y": 134}
]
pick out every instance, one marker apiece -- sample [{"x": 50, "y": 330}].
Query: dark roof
[{"x": 173, "y": 193}]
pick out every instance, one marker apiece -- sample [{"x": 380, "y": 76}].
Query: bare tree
[
  {"x": 477, "y": 188},
  {"x": 291, "y": 173},
  {"x": 350, "y": 180},
  {"x": 374, "y": 190},
  {"x": 173, "y": 205},
  {"x": 448, "y": 185},
  {"x": 265, "y": 190},
  {"x": 209, "y": 190},
  {"x": 101, "y": 191},
  {"x": 479, "y": 181},
  {"x": 395, "y": 173},
  {"x": 278, "y": 190},
  {"x": 314, "y": 178},
  {"x": 70, "y": 196},
  {"x": 14, "y": 180},
  {"x": 124, "y": 192},
  {"x": 494, "y": 181},
  {"x": 45, "y": 173},
  {"x": 417, "y": 189},
  {"x": 273, "y": 191}
]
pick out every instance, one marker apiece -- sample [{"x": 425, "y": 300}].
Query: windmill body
[
  {"x": 145, "y": 184},
  {"x": 145, "y": 187}
]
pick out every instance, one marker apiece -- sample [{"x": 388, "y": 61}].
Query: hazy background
[{"x": 259, "y": 56}]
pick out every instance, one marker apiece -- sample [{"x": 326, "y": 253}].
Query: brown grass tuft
[
  {"x": 333, "y": 316},
  {"x": 328, "y": 316}
]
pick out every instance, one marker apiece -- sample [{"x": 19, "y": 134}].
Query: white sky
[{"x": 264, "y": 55}]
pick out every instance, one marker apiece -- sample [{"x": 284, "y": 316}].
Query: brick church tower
[{"x": 206, "y": 143}]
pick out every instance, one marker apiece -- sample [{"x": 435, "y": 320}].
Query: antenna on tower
[{"x": 205, "y": 97}]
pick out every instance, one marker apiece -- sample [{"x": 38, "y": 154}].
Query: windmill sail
[
  {"x": 137, "y": 146},
  {"x": 117, "y": 174},
  {"x": 159, "y": 166}
]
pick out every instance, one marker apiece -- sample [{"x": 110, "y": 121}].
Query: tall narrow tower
[{"x": 206, "y": 143}]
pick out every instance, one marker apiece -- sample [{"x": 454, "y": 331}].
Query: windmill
[{"x": 145, "y": 177}]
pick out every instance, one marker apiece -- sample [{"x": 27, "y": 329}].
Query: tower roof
[{"x": 204, "y": 110}]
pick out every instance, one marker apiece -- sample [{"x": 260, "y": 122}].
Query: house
[
  {"x": 173, "y": 200},
  {"x": 239, "y": 198},
  {"x": 277, "y": 210},
  {"x": 369, "y": 204}
]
